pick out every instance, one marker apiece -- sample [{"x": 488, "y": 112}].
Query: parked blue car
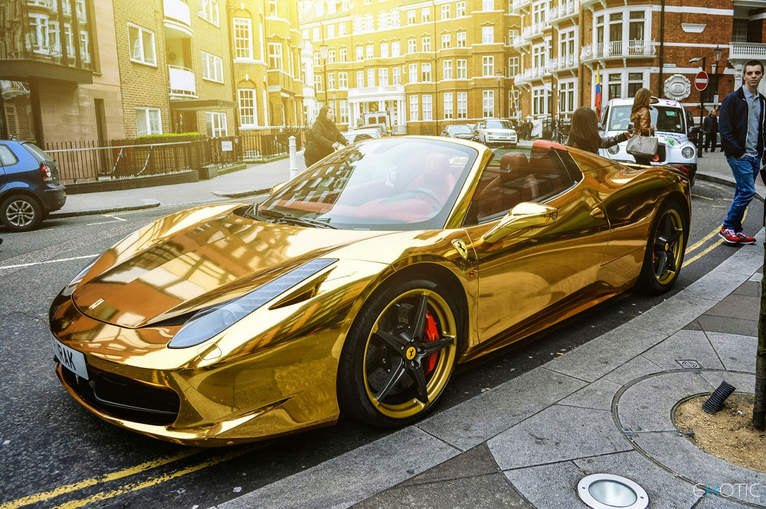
[{"x": 29, "y": 185}]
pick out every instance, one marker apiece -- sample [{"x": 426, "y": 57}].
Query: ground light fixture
[{"x": 607, "y": 491}]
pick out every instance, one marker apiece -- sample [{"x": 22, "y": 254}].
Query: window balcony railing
[
  {"x": 519, "y": 4},
  {"x": 538, "y": 28},
  {"x": 182, "y": 82},
  {"x": 177, "y": 18},
  {"x": 565, "y": 9},
  {"x": 619, "y": 49},
  {"x": 566, "y": 62},
  {"x": 390, "y": 91},
  {"x": 520, "y": 41},
  {"x": 747, "y": 51}
]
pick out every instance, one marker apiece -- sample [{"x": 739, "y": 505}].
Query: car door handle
[{"x": 598, "y": 213}]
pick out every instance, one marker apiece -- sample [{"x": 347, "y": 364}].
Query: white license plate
[{"x": 71, "y": 359}]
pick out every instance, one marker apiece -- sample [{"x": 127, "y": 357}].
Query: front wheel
[
  {"x": 665, "y": 250},
  {"x": 399, "y": 354},
  {"x": 20, "y": 213}
]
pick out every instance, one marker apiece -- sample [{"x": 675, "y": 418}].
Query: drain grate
[{"x": 689, "y": 364}]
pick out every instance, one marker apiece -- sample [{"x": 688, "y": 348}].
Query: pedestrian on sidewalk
[
  {"x": 324, "y": 138},
  {"x": 642, "y": 119},
  {"x": 710, "y": 127},
  {"x": 743, "y": 115},
  {"x": 583, "y": 132}
]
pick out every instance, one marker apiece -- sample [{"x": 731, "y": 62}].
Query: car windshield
[
  {"x": 499, "y": 124},
  {"x": 459, "y": 129},
  {"x": 667, "y": 119},
  {"x": 382, "y": 184}
]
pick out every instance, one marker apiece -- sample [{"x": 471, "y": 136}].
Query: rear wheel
[
  {"x": 20, "y": 213},
  {"x": 665, "y": 250},
  {"x": 400, "y": 354}
]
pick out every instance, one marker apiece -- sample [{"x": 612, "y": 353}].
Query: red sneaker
[
  {"x": 729, "y": 236},
  {"x": 744, "y": 239}
]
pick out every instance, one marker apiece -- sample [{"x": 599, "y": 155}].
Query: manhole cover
[{"x": 689, "y": 364}]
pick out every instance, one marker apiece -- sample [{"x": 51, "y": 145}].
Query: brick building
[{"x": 436, "y": 62}]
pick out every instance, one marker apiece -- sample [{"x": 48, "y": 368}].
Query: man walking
[
  {"x": 710, "y": 126},
  {"x": 743, "y": 114}
]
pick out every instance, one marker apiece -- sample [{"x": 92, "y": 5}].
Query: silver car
[{"x": 495, "y": 132}]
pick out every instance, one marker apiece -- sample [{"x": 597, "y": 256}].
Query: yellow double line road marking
[{"x": 699, "y": 243}]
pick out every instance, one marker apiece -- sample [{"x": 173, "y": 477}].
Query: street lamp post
[
  {"x": 499, "y": 75},
  {"x": 701, "y": 135},
  {"x": 323, "y": 49}
]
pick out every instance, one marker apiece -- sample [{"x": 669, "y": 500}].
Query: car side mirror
[{"x": 523, "y": 215}]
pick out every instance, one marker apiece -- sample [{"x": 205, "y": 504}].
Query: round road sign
[{"x": 700, "y": 81}]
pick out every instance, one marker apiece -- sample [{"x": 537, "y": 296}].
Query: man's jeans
[{"x": 745, "y": 171}]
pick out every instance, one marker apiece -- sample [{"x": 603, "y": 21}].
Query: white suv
[
  {"x": 672, "y": 125},
  {"x": 495, "y": 132}
]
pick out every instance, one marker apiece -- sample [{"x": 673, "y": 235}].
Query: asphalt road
[{"x": 53, "y": 453}]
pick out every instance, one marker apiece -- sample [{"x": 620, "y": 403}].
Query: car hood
[{"x": 162, "y": 271}]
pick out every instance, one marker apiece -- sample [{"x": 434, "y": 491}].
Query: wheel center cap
[{"x": 410, "y": 353}]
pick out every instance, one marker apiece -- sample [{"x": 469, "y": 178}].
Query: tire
[
  {"x": 20, "y": 213},
  {"x": 665, "y": 250},
  {"x": 389, "y": 375}
]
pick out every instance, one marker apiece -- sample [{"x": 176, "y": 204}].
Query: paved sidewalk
[{"x": 604, "y": 407}]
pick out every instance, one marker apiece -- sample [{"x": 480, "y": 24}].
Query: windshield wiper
[{"x": 285, "y": 218}]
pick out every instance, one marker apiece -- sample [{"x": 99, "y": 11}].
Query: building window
[
  {"x": 371, "y": 77},
  {"x": 148, "y": 121},
  {"x": 247, "y": 107},
  {"x": 538, "y": 56},
  {"x": 359, "y": 53},
  {"x": 317, "y": 59},
  {"x": 383, "y": 77},
  {"x": 318, "y": 83},
  {"x": 343, "y": 112},
  {"x": 396, "y": 76},
  {"x": 343, "y": 80},
  {"x": 212, "y": 67},
  {"x": 635, "y": 82},
  {"x": 488, "y": 66},
  {"x": 273, "y": 12},
  {"x": 330, "y": 31},
  {"x": 411, "y": 46},
  {"x": 425, "y": 15},
  {"x": 216, "y": 124},
  {"x": 410, "y": 17},
  {"x": 395, "y": 49},
  {"x": 341, "y": 29},
  {"x": 413, "y": 107},
  {"x": 360, "y": 79},
  {"x": 342, "y": 54},
  {"x": 539, "y": 101},
  {"x": 488, "y": 103},
  {"x": 426, "y": 72},
  {"x": 275, "y": 55},
  {"x": 370, "y": 51},
  {"x": 448, "y": 105},
  {"x": 460, "y": 9},
  {"x": 38, "y": 24},
  {"x": 614, "y": 86},
  {"x": 462, "y": 105},
  {"x": 461, "y": 39},
  {"x": 331, "y": 81},
  {"x": 446, "y": 41},
  {"x": 513, "y": 66},
  {"x": 383, "y": 50},
  {"x": 331, "y": 56},
  {"x": 488, "y": 5},
  {"x": 208, "y": 10},
  {"x": 566, "y": 97},
  {"x": 445, "y": 11},
  {"x": 447, "y": 69},
  {"x": 487, "y": 35},
  {"x": 141, "y": 45},
  {"x": 427, "y": 110},
  {"x": 462, "y": 69},
  {"x": 426, "y": 44},
  {"x": 567, "y": 48},
  {"x": 243, "y": 38},
  {"x": 413, "y": 73}
]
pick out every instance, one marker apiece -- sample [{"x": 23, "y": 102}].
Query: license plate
[{"x": 71, "y": 359}]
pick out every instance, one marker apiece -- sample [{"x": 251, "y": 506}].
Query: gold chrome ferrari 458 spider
[{"x": 357, "y": 286}]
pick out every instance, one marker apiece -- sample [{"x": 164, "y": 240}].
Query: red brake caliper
[{"x": 431, "y": 334}]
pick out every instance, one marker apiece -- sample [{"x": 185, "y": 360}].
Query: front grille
[{"x": 123, "y": 398}]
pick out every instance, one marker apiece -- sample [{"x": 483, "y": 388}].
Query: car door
[{"x": 548, "y": 263}]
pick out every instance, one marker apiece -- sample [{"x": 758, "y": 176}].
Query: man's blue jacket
[{"x": 732, "y": 124}]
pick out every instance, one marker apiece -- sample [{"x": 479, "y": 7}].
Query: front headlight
[
  {"x": 614, "y": 149},
  {"x": 687, "y": 152},
  {"x": 211, "y": 321}
]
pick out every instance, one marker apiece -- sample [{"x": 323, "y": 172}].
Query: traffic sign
[{"x": 700, "y": 81}]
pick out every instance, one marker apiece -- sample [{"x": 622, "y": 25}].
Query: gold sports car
[{"x": 357, "y": 286}]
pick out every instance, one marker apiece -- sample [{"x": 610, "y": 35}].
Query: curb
[
  {"x": 241, "y": 194},
  {"x": 148, "y": 204}
]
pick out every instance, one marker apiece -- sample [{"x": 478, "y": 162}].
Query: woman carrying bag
[
  {"x": 324, "y": 138},
  {"x": 643, "y": 145}
]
